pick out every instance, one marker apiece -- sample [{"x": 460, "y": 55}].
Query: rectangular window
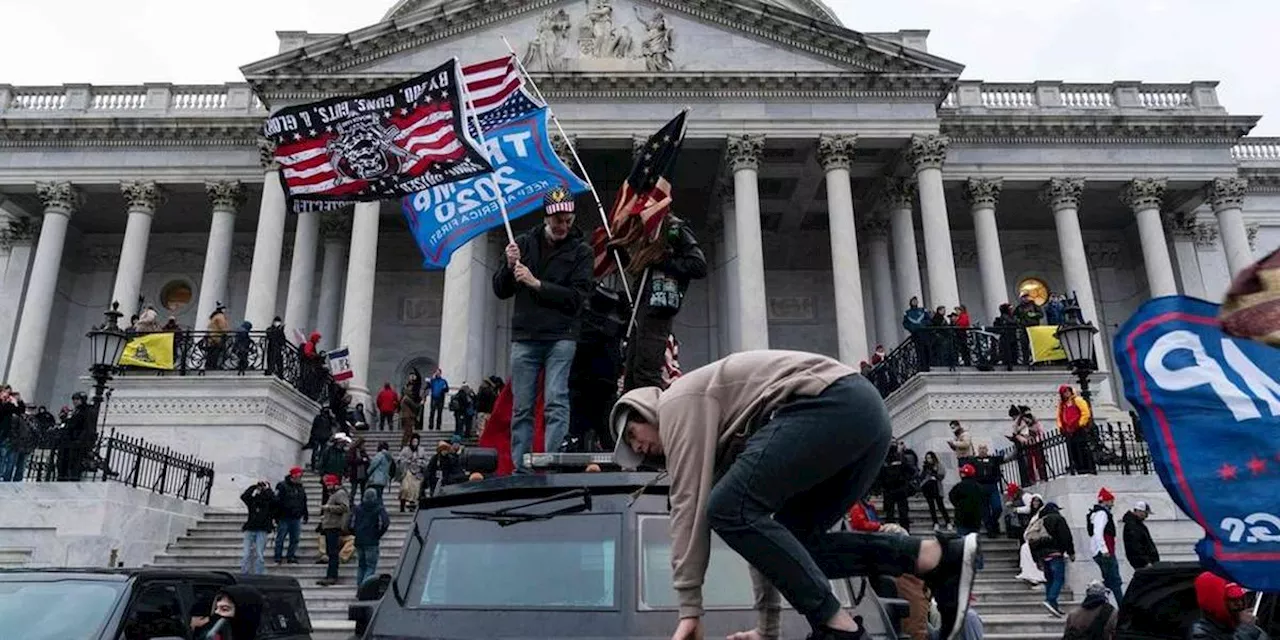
[
  {"x": 728, "y": 579},
  {"x": 569, "y": 562},
  {"x": 56, "y": 609}
]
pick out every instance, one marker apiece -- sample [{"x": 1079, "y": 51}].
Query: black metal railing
[
  {"x": 54, "y": 456},
  {"x": 949, "y": 348},
  {"x": 1111, "y": 447},
  {"x": 261, "y": 352}
]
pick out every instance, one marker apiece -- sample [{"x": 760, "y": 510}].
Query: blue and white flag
[
  {"x": 525, "y": 165},
  {"x": 340, "y": 364},
  {"x": 1209, "y": 405}
]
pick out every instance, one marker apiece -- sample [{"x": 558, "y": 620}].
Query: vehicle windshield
[
  {"x": 568, "y": 562},
  {"x": 55, "y": 610}
]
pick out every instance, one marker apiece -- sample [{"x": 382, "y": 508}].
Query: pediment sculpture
[{"x": 602, "y": 43}]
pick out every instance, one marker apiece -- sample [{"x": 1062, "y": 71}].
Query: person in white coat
[{"x": 1029, "y": 572}]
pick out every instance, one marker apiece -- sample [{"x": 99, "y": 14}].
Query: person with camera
[
  {"x": 260, "y": 500},
  {"x": 1224, "y": 611},
  {"x": 12, "y": 410}
]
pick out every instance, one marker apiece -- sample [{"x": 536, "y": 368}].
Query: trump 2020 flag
[
  {"x": 1209, "y": 405},
  {"x": 340, "y": 364},
  {"x": 379, "y": 145},
  {"x": 526, "y": 166}
]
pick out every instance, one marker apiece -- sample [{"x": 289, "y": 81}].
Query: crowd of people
[{"x": 37, "y": 445}]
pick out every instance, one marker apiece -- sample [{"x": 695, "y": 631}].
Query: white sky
[{"x": 198, "y": 41}]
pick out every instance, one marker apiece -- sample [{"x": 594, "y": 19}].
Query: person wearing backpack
[{"x": 1049, "y": 538}]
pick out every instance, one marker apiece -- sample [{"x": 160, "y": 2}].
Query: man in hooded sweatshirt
[
  {"x": 369, "y": 523},
  {"x": 1051, "y": 545},
  {"x": 1095, "y": 619},
  {"x": 1224, "y": 611},
  {"x": 1139, "y": 548},
  {"x": 241, "y": 606},
  {"x": 761, "y": 449}
]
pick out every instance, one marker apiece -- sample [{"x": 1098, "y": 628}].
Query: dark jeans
[
  {"x": 794, "y": 480},
  {"x": 291, "y": 528},
  {"x": 1110, "y": 569},
  {"x": 332, "y": 548},
  {"x": 897, "y": 509},
  {"x": 385, "y": 421},
  {"x": 1055, "y": 574},
  {"x": 647, "y": 352},
  {"x": 936, "y": 504},
  {"x": 462, "y": 424},
  {"x": 437, "y": 414},
  {"x": 1079, "y": 453},
  {"x": 992, "y": 508}
]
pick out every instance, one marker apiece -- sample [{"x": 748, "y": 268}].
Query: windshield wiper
[{"x": 515, "y": 514}]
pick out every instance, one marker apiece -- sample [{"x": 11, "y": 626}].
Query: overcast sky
[{"x": 184, "y": 41}]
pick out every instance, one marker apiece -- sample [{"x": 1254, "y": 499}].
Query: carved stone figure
[
  {"x": 597, "y": 36},
  {"x": 547, "y": 50},
  {"x": 658, "y": 44}
]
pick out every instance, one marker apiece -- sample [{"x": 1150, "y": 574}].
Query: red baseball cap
[{"x": 296, "y": 471}]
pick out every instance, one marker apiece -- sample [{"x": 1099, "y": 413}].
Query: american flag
[
  {"x": 497, "y": 92},
  {"x": 645, "y": 198},
  {"x": 671, "y": 364}
]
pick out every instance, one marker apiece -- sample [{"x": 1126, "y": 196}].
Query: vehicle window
[
  {"x": 1161, "y": 610},
  {"x": 156, "y": 612},
  {"x": 284, "y": 613},
  {"x": 728, "y": 581},
  {"x": 568, "y": 562},
  {"x": 82, "y": 607}
]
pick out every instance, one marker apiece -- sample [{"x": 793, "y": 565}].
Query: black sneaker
[
  {"x": 825, "y": 633},
  {"x": 952, "y": 581},
  {"x": 293, "y": 560}
]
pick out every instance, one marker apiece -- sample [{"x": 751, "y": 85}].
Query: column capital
[
  {"x": 899, "y": 193},
  {"x": 59, "y": 197},
  {"x": 142, "y": 196},
  {"x": 1062, "y": 193},
  {"x": 561, "y": 146},
  {"x": 20, "y": 231},
  {"x": 1142, "y": 194},
  {"x": 928, "y": 152},
  {"x": 983, "y": 193},
  {"x": 745, "y": 151},
  {"x": 267, "y": 155},
  {"x": 1226, "y": 193},
  {"x": 835, "y": 151},
  {"x": 1251, "y": 232},
  {"x": 335, "y": 226},
  {"x": 637, "y": 144},
  {"x": 875, "y": 227},
  {"x": 225, "y": 195}
]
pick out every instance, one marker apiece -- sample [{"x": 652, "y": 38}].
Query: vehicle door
[{"x": 156, "y": 611}]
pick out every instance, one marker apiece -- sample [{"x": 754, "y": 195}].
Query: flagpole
[
  {"x": 582, "y": 169},
  {"x": 471, "y": 110}
]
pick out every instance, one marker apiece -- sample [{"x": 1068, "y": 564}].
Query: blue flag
[
  {"x": 1209, "y": 405},
  {"x": 526, "y": 166}
]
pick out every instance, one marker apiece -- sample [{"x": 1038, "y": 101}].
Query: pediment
[
  {"x": 606, "y": 37},
  {"x": 811, "y": 8}
]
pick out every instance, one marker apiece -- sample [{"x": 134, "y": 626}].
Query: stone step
[
  {"x": 1032, "y": 622},
  {"x": 988, "y": 609},
  {"x": 1018, "y": 595},
  {"x": 332, "y": 629},
  {"x": 306, "y": 574},
  {"x": 305, "y": 550}
]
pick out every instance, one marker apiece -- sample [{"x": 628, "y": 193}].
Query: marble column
[
  {"x": 982, "y": 196},
  {"x": 268, "y": 245},
  {"x": 1185, "y": 234},
  {"x": 876, "y": 232},
  {"x": 732, "y": 294},
  {"x": 753, "y": 312},
  {"x": 1144, "y": 196},
  {"x": 335, "y": 228},
  {"x": 926, "y": 154},
  {"x": 142, "y": 197},
  {"x": 16, "y": 249},
  {"x": 60, "y": 199},
  {"x": 1063, "y": 197},
  {"x": 302, "y": 272},
  {"x": 835, "y": 152},
  {"x": 900, "y": 197},
  {"x": 462, "y": 314},
  {"x": 357, "y": 307},
  {"x": 226, "y": 198},
  {"x": 1226, "y": 196}
]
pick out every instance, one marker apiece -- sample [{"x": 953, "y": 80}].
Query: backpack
[{"x": 1036, "y": 532}]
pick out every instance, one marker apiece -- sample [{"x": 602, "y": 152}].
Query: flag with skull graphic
[{"x": 384, "y": 144}]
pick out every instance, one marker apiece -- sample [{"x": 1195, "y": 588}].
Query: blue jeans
[
  {"x": 1055, "y": 574},
  {"x": 527, "y": 359},
  {"x": 255, "y": 545},
  {"x": 291, "y": 527},
  {"x": 367, "y": 556},
  {"x": 1110, "y": 568},
  {"x": 992, "y": 509},
  {"x": 796, "y": 477},
  {"x": 8, "y": 464}
]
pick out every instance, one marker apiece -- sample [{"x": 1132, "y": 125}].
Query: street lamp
[
  {"x": 106, "y": 344},
  {"x": 1076, "y": 338}
]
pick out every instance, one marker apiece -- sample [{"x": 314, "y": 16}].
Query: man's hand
[
  {"x": 513, "y": 255},
  {"x": 525, "y": 277},
  {"x": 753, "y": 634},
  {"x": 688, "y": 629},
  {"x": 1245, "y": 617}
]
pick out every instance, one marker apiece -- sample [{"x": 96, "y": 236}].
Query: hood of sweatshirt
[{"x": 643, "y": 401}]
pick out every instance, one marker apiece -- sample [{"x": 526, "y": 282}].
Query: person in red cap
[
  {"x": 1224, "y": 611},
  {"x": 968, "y": 498},
  {"x": 291, "y": 512},
  {"x": 1102, "y": 542}
]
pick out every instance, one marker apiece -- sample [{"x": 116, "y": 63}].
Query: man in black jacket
[
  {"x": 1139, "y": 548},
  {"x": 1051, "y": 545},
  {"x": 548, "y": 271},
  {"x": 291, "y": 513},
  {"x": 967, "y": 497},
  {"x": 257, "y": 526}
]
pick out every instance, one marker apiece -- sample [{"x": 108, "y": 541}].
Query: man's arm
[
  {"x": 689, "y": 437},
  {"x": 686, "y": 259},
  {"x": 569, "y": 296},
  {"x": 504, "y": 279}
]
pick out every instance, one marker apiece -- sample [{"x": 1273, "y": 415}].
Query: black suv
[
  {"x": 585, "y": 556},
  {"x": 1160, "y": 604},
  {"x": 136, "y": 604}
]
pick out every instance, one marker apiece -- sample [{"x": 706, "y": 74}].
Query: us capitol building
[{"x": 831, "y": 175}]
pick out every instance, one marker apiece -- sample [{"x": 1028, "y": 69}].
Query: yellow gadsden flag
[
  {"x": 1044, "y": 344},
  {"x": 153, "y": 351}
]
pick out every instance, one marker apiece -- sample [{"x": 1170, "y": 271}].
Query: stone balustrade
[
  {"x": 977, "y": 97},
  {"x": 160, "y": 99},
  {"x": 1257, "y": 152}
]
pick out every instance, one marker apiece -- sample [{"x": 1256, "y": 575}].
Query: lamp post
[
  {"x": 1076, "y": 338},
  {"x": 106, "y": 343}
]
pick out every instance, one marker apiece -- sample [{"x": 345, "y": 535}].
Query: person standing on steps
[
  {"x": 333, "y": 521},
  {"x": 1102, "y": 542},
  {"x": 760, "y": 449},
  {"x": 1049, "y": 538},
  {"x": 291, "y": 514},
  {"x": 410, "y": 408},
  {"x": 259, "y": 499},
  {"x": 989, "y": 476},
  {"x": 381, "y": 467},
  {"x": 931, "y": 475},
  {"x": 387, "y": 403},
  {"x": 967, "y": 497},
  {"x": 413, "y": 465},
  {"x": 961, "y": 443},
  {"x": 1139, "y": 548},
  {"x": 369, "y": 523},
  {"x": 439, "y": 388}
]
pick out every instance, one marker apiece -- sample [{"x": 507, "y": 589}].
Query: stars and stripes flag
[
  {"x": 644, "y": 200},
  {"x": 379, "y": 145}
]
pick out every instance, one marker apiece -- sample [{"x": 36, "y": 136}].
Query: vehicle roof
[
  {"x": 532, "y": 485},
  {"x": 145, "y": 573}
]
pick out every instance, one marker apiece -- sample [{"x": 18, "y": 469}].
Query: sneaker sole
[{"x": 972, "y": 554}]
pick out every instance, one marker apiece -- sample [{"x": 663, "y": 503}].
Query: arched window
[{"x": 1034, "y": 287}]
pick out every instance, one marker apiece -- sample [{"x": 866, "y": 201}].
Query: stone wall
[{"x": 80, "y": 524}]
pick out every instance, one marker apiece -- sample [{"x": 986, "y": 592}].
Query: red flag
[{"x": 497, "y": 431}]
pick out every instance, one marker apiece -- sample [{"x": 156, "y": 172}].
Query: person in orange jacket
[
  {"x": 863, "y": 517},
  {"x": 1075, "y": 420}
]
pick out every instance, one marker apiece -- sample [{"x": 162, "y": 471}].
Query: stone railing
[
  {"x": 978, "y": 96},
  {"x": 1258, "y": 152},
  {"x": 147, "y": 100}
]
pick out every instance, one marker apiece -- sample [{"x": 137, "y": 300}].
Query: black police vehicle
[
  {"x": 1160, "y": 604},
  {"x": 136, "y": 604},
  {"x": 585, "y": 556}
]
